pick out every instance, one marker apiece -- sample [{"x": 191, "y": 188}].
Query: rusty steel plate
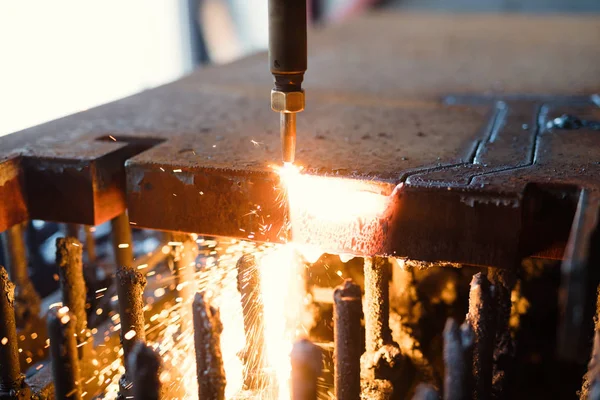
[{"x": 454, "y": 108}]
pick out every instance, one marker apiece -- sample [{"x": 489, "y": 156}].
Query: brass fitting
[{"x": 287, "y": 102}]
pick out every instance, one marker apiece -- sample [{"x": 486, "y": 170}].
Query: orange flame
[{"x": 332, "y": 213}]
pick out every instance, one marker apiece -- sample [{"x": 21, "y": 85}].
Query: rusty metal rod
[
  {"x": 307, "y": 365},
  {"x": 145, "y": 365},
  {"x": 458, "y": 361},
  {"x": 10, "y": 369},
  {"x": 122, "y": 243},
  {"x": 207, "y": 340},
  {"x": 481, "y": 317},
  {"x": 249, "y": 286},
  {"x": 347, "y": 313},
  {"x": 64, "y": 355},
  {"x": 377, "y": 303},
  {"x": 15, "y": 254},
  {"x": 69, "y": 253},
  {"x": 130, "y": 290}
]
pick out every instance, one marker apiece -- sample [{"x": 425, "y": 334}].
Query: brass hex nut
[{"x": 287, "y": 101}]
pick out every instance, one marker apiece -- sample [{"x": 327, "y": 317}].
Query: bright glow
[
  {"x": 331, "y": 199},
  {"x": 282, "y": 295},
  {"x": 334, "y": 214}
]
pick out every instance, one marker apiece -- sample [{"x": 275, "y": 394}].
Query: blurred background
[{"x": 93, "y": 52}]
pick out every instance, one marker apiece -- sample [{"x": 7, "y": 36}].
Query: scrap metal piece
[
  {"x": 347, "y": 332},
  {"x": 145, "y": 365},
  {"x": 458, "y": 361},
  {"x": 307, "y": 365},
  {"x": 64, "y": 355},
  {"x": 482, "y": 319},
  {"x": 207, "y": 340},
  {"x": 12, "y": 381}
]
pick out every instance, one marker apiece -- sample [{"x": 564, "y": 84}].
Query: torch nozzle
[{"x": 288, "y": 136}]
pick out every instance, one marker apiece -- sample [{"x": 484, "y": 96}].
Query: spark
[{"x": 281, "y": 270}]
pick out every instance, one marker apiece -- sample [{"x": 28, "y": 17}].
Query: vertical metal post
[
  {"x": 90, "y": 243},
  {"x": 15, "y": 253},
  {"x": 145, "y": 365},
  {"x": 70, "y": 269},
  {"x": 307, "y": 364},
  {"x": 207, "y": 340},
  {"x": 503, "y": 282},
  {"x": 458, "y": 345},
  {"x": 130, "y": 290},
  {"x": 347, "y": 331},
  {"x": 122, "y": 243},
  {"x": 73, "y": 230},
  {"x": 481, "y": 317},
  {"x": 185, "y": 253},
  {"x": 425, "y": 392},
  {"x": 377, "y": 303},
  {"x": 63, "y": 351},
  {"x": 11, "y": 378}
]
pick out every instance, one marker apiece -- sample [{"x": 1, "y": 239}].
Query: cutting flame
[
  {"x": 332, "y": 213},
  {"x": 330, "y": 198}
]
